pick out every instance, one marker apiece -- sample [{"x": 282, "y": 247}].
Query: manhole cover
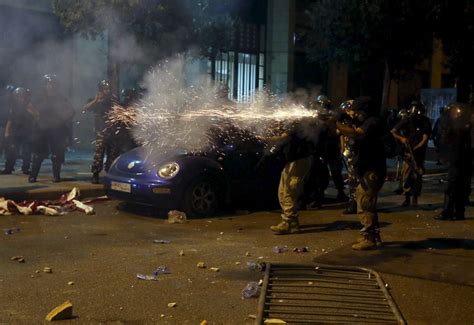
[{"x": 325, "y": 294}]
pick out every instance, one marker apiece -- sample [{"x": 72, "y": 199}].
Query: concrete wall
[{"x": 280, "y": 57}]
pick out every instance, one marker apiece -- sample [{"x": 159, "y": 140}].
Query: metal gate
[{"x": 325, "y": 294}]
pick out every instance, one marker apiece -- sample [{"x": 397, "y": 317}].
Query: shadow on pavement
[
  {"x": 335, "y": 226},
  {"x": 429, "y": 259}
]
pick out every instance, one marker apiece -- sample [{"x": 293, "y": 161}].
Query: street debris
[
  {"x": 237, "y": 263},
  {"x": 247, "y": 254},
  {"x": 70, "y": 283},
  {"x": 10, "y": 231},
  {"x": 301, "y": 249},
  {"x": 252, "y": 316},
  {"x": 161, "y": 270},
  {"x": 214, "y": 269},
  {"x": 172, "y": 304},
  {"x": 280, "y": 249},
  {"x": 175, "y": 216},
  {"x": 47, "y": 269},
  {"x": 19, "y": 258},
  {"x": 274, "y": 321},
  {"x": 221, "y": 233},
  {"x": 147, "y": 277},
  {"x": 67, "y": 202},
  {"x": 250, "y": 290},
  {"x": 204, "y": 322},
  {"x": 161, "y": 241},
  {"x": 61, "y": 312},
  {"x": 201, "y": 265},
  {"x": 181, "y": 253},
  {"x": 256, "y": 266}
]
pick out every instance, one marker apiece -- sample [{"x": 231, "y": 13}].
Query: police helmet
[
  {"x": 104, "y": 85},
  {"x": 50, "y": 78},
  {"x": 403, "y": 114},
  {"x": 21, "y": 94},
  {"x": 455, "y": 110},
  {"x": 348, "y": 105},
  {"x": 416, "y": 109},
  {"x": 10, "y": 88},
  {"x": 323, "y": 101},
  {"x": 128, "y": 94}
]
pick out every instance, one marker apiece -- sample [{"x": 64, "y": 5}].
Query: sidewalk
[{"x": 76, "y": 173}]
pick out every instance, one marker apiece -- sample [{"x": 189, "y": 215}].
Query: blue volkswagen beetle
[{"x": 198, "y": 183}]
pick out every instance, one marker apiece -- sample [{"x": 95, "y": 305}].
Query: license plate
[{"x": 121, "y": 187}]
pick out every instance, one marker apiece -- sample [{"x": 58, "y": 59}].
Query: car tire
[{"x": 201, "y": 198}]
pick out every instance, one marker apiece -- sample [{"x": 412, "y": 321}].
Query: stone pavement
[{"x": 76, "y": 173}]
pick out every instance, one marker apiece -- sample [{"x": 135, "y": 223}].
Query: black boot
[
  {"x": 56, "y": 172},
  {"x": 406, "y": 202},
  {"x": 9, "y": 167},
  {"x": 35, "y": 168},
  {"x": 95, "y": 178}
]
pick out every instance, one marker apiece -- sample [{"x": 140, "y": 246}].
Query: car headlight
[{"x": 168, "y": 170}]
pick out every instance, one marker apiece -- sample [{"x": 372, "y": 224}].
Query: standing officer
[
  {"x": 5, "y": 104},
  {"x": 455, "y": 150},
  {"x": 297, "y": 145},
  {"x": 53, "y": 123},
  {"x": 370, "y": 165},
  {"x": 332, "y": 154},
  {"x": 18, "y": 132},
  {"x": 414, "y": 133},
  {"x": 347, "y": 146},
  {"x": 101, "y": 106}
]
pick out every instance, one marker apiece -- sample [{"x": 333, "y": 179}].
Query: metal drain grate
[{"x": 325, "y": 294}]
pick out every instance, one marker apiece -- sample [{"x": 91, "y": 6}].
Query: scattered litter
[
  {"x": 260, "y": 282},
  {"x": 147, "y": 277},
  {"x": 386, "y": 285},
  {"x": 214, "y": 269},
  {"x": 417, "y": 215},
  {"x": 162, "y": 316},
  {"x": 237, "y": 263},
  {"x": 37, "y": 271},
  {"x": 204, "y": 322},
  {"x": 11, "y": 231},
  {"x": 47, "y": 269},
  {"x": 121, "y": 308},
  {"x": 221, "y": 233},
  {"x": 63, "y": 311},
  {"x": 256, "y": 266},
  {"x": 172, "y": 304},
  {"x": 251, "y": 316},
  {"x": 280, "y": 249},
  {"x": 250, "y": 290},
  {"x": 310, "y": 283},
  {"x": 323, "y": 250},
  {"x": 260, "y": 257},
  {"x": 19, "y": 258},
  {"x": 70, "y": 283},
  {"x": 181, "y": 253},
  {"x": 274, "y": 321},
  {"x": 161, "y": 270},
  {"x": 301, "y": 249},
  {"x": 201, "y": 265},
  {"x": 68, "y": 202},
  {"x": 247, "y": 254},
  {"x": 175, "y": 216},
  {"x": 161, "y": 241}
]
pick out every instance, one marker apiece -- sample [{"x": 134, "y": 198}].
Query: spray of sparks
[{"x": 174, "y": 115}]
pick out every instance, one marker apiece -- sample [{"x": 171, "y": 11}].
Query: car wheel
[{"x": 201, "y": 198}]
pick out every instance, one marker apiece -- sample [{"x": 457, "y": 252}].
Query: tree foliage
[{"x": 364, "y": 32}]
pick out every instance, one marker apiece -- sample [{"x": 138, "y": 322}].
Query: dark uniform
[
  {"x": 370, "y": 165},
  {"x": 5, "y": 104},
  {"x": 455, "y": 149},
  {"x": 104, "y": 134},
  {"x": 298, "y": 149},
  {"x": 52, "y": 129},
  {"x": 18, "y": 132},
  {"x": 414, "y": 128}
]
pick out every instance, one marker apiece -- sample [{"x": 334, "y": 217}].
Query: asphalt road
[{"x": 427, "y": 264}]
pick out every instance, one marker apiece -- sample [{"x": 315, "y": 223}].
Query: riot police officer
[
  {"x": 18, "y": 132},
  {"x": 332, "y": 154},
  {"x": 100, "y": 106},
  {"x": 413, "y": 133},
  {"x": 54, "y": 119},
  {"x": 347, "y": 147},
  {"x": 455, "y": 150},
  {"x": 370, "y": 164},
  {"x": 5, "y": 104}
]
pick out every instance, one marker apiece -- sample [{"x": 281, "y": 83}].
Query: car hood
[{"x": 141, "y": 160}]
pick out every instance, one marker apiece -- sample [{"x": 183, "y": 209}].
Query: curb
[{"x": 45, "y": 193}]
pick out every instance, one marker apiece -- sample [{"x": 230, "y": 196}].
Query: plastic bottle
[
  {"x": 256, "y": 266},
  {"x": 250, "y": 290}
]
